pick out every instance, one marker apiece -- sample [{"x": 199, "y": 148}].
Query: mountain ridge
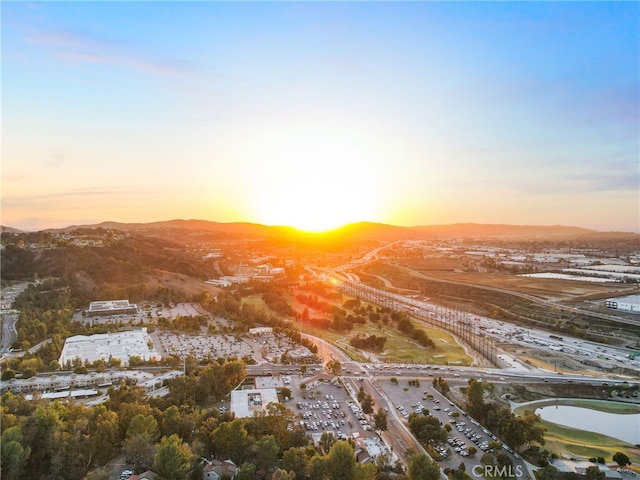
[{"x": 371, "y": 230}]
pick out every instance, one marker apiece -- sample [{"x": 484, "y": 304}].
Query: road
[
  {"x": 532, "y": 298},
  {"x": 9, "y": 332},
  {"x": 398, "y": 437}
]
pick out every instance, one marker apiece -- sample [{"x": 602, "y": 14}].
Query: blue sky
[{"x": 320, "y": 113}]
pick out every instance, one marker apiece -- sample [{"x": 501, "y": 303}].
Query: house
[{"x": 218, "y": 470}]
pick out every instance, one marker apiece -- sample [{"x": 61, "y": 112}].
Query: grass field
[
  {"x": 398, "y": 348},
  {"x": 580, "y": 443}
]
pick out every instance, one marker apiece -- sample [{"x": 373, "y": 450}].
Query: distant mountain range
[{"x": 355, "y": 231}]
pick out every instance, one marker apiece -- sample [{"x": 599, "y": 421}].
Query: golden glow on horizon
[{"x": 314, "y": 181}]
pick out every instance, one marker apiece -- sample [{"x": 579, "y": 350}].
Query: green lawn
[
  {"x": 580, "y": 443},
  {"x": 398, "y": 348}
]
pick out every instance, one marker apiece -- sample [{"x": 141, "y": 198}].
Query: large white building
[
  {"x": 122, "y": 345},
  {"x": 630, "y": 303}
]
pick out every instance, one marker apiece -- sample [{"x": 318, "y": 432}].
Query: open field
[
  {"x": 505, "y": 301},
  {"x": 545, "y": 288},
  {"x": 191, "y": 286},
  {"x": 580, "y": 443},
  {"x": 398, "y": 348}
]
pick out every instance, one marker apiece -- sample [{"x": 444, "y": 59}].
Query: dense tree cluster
[
  {"x": 371, "y": 342},
  {"x": 46, "y": 310},
  {"x": 314, "y": 302},
  {"x": 406, "y": 326},
  {"x": 427, "y": 429},
  {"x": 64, "y": 440},
  {"x": 516, "y": 431}
]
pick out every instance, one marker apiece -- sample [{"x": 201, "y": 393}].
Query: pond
[{"x": 624, "y": 427}]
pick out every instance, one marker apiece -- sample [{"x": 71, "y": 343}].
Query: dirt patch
[{"x": 191, "y": 286}]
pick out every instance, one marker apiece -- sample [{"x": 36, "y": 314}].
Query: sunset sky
[{"x": 316, "y": 114}]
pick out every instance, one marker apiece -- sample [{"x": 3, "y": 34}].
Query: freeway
[
  {"x": 532, "y": 298},
  {"x": 610, "y": 356}
]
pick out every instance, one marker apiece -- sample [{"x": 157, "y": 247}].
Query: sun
[{"x": 314, "y": 183}]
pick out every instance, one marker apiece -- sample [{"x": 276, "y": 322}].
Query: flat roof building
[
  {"x": 244, "y": 403},
  {"x": 122, "y": 345},
  {"x": 630, "y": 303},
  {"x": 111, "y": 307}
]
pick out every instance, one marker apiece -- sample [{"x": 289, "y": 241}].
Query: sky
[{"x": 317, "y": 114}]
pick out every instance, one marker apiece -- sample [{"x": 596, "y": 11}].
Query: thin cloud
[
  {"x": 613, "y": 180},
  {"x": 59, "y": 38},
  {"x": 83, "y": 48}
]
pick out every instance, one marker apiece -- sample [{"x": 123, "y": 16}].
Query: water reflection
[{"x": 625, "y": 427}]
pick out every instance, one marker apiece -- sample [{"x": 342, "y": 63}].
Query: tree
[
  {"x": 14, "y": 454},
  {"x": 317, "y": 468},
  {"x": 594, "y": 473},
  {"x": 361, "y": 394},
  {"x": 367, "y": 404},
  {"x": 621, "y": 459},
  {"x": 380, "y": 421},
  {"x": 143, "y": 424},
  {"x": 230, "y": 441},
  {"x": 105, "y": 436},
  {"x": 394, "y": 380},
  {"x": 546, "y": 473},
  {"x": 246, "y": 471},
  {"x": 173, "y": 458},
  {"x": 427, "y": 429},
  {"x": 475, "y": 400},
  {"x": 341, "y": 462},
  {"x": 286, "y": 393},
  {"x": 327, "y": 439},
  {"x": 139, "y": 450},
  {"x": 472, "y": 450},
  {"x": 334, "y": 366},
  {"x": 281, "y": 474},
  {"x": 488, "y": 459},
  {"x": 296, "y": 460},
  {"x": 422, "y": 468},
  {"x": 503, "y": 460},
  {"x": 267, "y": 453}
]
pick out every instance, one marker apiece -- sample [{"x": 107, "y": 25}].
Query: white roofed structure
[{"x": 122, "y": 345}]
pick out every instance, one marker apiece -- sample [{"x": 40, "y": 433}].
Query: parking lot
[
  {"x": 465, "y": 432},
  {"x": 327, "y": 407},
  {"x": 201, "y": 346}
]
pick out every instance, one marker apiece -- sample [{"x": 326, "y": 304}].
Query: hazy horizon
[
  {"x": 63, "y": 226},
  {"x": 320, "y": 114}
]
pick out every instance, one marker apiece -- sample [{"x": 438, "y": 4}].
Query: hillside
[{"x": 354, "y": 231}]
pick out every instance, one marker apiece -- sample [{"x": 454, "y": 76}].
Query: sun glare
[{"x": 313, "y": 184}]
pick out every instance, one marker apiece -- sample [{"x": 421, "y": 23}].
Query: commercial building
[
  {"x": 629, "y": 304},
  {"x": 244, "y": 403},
  {"x": 111, "y": 307},
  {"x": 121, "y": 345}
]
